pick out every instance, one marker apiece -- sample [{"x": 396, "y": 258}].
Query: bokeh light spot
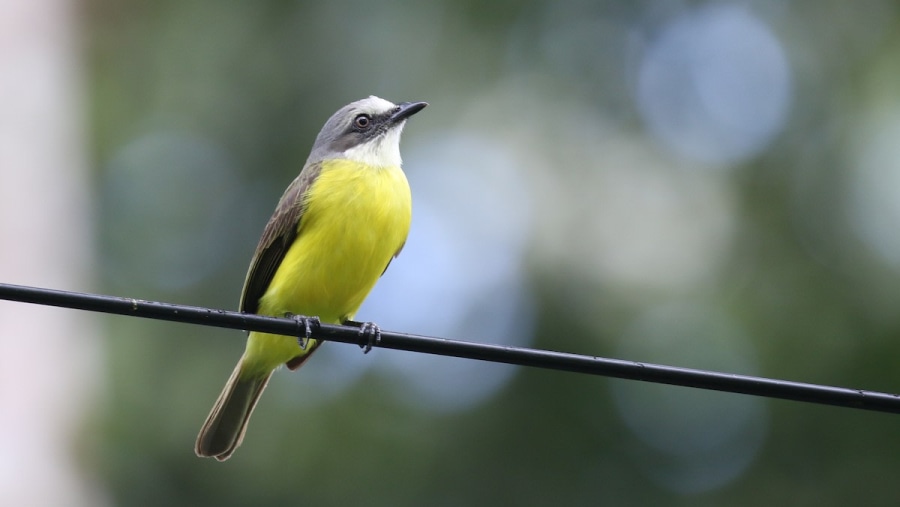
[
  {"x": 874, "y": 198},
  {"x": 715, "y": 85},
  {"x": 693, "y": 440},
  {"x": 179, "y": 186}
]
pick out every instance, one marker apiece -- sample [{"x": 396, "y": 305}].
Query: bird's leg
[
  {"x": 369, "y": 330},
  {"x": 307, "y": 323}
]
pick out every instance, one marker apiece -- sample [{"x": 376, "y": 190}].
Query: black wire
[{"x": 758, "y": 386}]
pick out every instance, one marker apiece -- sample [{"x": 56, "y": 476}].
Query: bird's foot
[
  {"x": 368, "y": 330},
  {"x": 307, "y": 323}
]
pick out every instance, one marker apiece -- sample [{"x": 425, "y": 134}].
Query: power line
[{"x": 631, "y": 370}]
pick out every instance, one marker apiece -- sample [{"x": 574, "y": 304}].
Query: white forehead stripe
[{"x": 376, "y": 105}]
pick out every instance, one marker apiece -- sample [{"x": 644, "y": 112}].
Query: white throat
[{"x": 383, "y": 151}]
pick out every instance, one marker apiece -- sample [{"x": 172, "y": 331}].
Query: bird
[{"x": 333, "y": 233}]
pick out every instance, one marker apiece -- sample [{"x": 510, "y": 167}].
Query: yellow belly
[{"x": 356, "y": 219}]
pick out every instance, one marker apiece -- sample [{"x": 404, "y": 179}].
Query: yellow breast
[{"x": 357, "y": 217}]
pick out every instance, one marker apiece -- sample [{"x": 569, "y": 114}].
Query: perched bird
[{"x": 333, "y": 234}]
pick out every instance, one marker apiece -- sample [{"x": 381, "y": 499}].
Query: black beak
[{"x": 406, "y": 109}]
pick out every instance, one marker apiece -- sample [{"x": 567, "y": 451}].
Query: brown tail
[{"x": 225, "y": 426}]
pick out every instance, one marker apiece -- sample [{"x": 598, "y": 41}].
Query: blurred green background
[{"x": 700, "y": 184}]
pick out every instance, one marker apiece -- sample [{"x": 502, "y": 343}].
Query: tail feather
[{"x": 224, "y": 428}]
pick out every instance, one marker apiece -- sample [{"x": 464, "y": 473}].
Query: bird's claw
[
  {"x": 371, "y": 332},
  {"x": 307, "y": 323}
]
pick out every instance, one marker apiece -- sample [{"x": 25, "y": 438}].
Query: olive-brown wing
[{"x": 277, "y": 238}]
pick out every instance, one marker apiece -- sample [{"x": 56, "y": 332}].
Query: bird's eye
[{"x": 362, "y": 121}]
